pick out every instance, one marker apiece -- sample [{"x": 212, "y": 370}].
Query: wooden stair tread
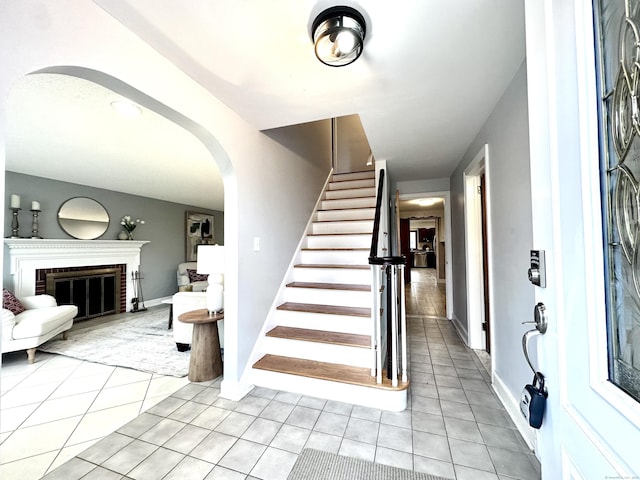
[
  {"x": 349, "y": 220},
  {"x": 321, "y": 336},
  {"x": 337, "y": 233},
  {"x": 334, "y": 249},
  {"x": 325, "y": 265},
  {"x": 331, "y": 286},
  {"x": 344, "y": 208},
  {"x": 325, "y": 371},
  {"x": 347, "y": 198},
  {"x": 352, "y": 189},
  {"x": 328, "y": 309},
  {"x": 369, "y": 172}
]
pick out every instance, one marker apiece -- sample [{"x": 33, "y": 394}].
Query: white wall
[
  {"x": 509, "y": 194},
  {"x": 352, "y": 146},
  {"x": 423, "y": 186},
  {"x": 261, "y": 174}
]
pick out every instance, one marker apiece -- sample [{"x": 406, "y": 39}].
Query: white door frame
[
  {"x": 447, "y": 239},
  {"x": 476, "y": 336}
]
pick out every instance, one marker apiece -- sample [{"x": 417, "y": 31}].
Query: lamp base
[{"x": 215, "y": 298}]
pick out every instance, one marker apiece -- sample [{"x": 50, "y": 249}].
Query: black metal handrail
[
  {"x": 373, "y": 253},
  {"x": 374, "y": 259},
  {"x": 389, "y": 265}
]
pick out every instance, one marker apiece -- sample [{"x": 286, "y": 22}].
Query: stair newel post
[
  {"x": 389, "y": 319},
  {"x": 394, "y": 325},
  {"x": 374, "y": 316},
  {"x": 403, "y": 323}
]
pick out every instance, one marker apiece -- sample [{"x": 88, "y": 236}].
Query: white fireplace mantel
[{"x": 27, "y": 255}]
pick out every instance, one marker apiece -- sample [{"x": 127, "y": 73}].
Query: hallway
[
  {"x": 424, "y": 295},
  {"x": 454, "y": 425}
]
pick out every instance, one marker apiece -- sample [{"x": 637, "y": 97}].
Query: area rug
[
  {"x": 140, "y": 341},
  {"x": 318, "y": 465}
]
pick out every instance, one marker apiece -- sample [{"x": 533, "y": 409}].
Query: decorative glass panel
[{"x": 618, "y": 66}]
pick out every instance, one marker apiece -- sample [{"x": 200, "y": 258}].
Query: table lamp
[{"x": 211, "y": 262}]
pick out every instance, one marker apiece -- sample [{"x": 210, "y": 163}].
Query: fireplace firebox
[{"x": 96, "y": 291}]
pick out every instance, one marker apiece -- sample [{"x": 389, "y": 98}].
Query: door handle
[{"x": 540, "y": 321}]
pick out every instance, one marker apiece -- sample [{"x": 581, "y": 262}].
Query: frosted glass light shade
[{"x": 338, "y": 34}]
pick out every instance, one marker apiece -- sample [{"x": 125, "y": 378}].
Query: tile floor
[{"x": 454, "y": 427}]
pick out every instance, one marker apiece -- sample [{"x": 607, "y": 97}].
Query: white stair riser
[
  {"x": 338, "y": 177},
  {"x": 353, "y": 214},
  {"x": 339, "y": 241},
  {"x": 389, "y": 400},
  {"x": 345, "y": 203},
  {"x": 351, "y": 193},
  {"x": 320, "y": 352},
  {"x": 353, "y": 226},
  {"x": 346, "y": 298},
  {"x": 347, "y": 184},
  {"x": 332, "y": 275},
  {"x": 321, "y": 321},
  {"x": 335, "y": 257}
]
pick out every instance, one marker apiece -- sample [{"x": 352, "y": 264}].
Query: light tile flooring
[{"x": 58, "y": 409}]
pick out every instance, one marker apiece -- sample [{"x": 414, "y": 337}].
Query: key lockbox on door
[{"x": 537, "y": 274}]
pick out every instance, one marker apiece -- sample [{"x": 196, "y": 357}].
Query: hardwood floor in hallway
[{"x": 424, "y": 295}]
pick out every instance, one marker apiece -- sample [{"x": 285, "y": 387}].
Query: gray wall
[
  {"x": 509, "y": 186},
  {"x": 164, "y": 225}
]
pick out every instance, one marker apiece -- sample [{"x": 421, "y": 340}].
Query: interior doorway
[
  {"x": 477, "y": 253},
  {"x": 425, "y": 239}
]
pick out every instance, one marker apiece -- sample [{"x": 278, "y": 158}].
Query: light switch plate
[{"x": 256, "y": 244}]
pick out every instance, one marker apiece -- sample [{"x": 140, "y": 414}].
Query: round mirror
[{"x": 83, "y": 218}]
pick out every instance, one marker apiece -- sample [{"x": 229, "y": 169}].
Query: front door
[{"x": 590, "y": 430}]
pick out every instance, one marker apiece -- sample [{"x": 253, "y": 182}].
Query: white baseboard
[
  {"x": 234, "y": 390},
  {"x": 155, "y": 301},
  {"x": 512, "y": 405},
  {"x": 462, "y": 330}
]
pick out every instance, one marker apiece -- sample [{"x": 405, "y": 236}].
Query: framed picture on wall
[{"x": 199, "y": 231}]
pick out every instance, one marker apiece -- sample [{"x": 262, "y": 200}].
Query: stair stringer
[{"x": 270, "y": 322}]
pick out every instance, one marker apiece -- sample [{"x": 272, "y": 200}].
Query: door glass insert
[{"x": 617, "y": 29}]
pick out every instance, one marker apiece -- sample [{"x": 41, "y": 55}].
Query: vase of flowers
[{"x": 130, "y": 225}]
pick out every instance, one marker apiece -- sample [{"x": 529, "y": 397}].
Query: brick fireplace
[
  {"x": 31, "y": 259},
  {"x": 96, "y": 289}
]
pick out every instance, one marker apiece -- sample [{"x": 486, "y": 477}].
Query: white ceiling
[{"x": 430, "y": 75}]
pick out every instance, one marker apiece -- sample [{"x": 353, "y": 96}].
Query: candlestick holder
[
  {"x": 15, "y": 225},
  {"x": 34, "y": 224}
]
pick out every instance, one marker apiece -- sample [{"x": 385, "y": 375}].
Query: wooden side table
[{"x": 205, "y": 362}]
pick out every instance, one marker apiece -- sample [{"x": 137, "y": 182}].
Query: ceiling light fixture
[
  {"x": 126, "y": 108},
  {"x": 426, "y": 202},
  {"x": 338, "y": 35}
]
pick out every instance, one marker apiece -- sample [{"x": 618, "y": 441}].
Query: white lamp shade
[{"x": 210, "y": 259}]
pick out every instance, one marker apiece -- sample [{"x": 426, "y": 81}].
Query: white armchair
[
  {"x": 42, "y": 320},
  {"x": 185, "y": 302},
  {"x": 183, "y": 277}
]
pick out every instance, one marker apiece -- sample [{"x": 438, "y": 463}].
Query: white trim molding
[{"x": 28, "y": 255}]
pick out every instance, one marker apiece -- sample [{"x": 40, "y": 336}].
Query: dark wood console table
[{"x": 205, "y": 362}]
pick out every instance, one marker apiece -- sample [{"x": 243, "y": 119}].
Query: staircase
[{"x": 320, "y": 340}]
